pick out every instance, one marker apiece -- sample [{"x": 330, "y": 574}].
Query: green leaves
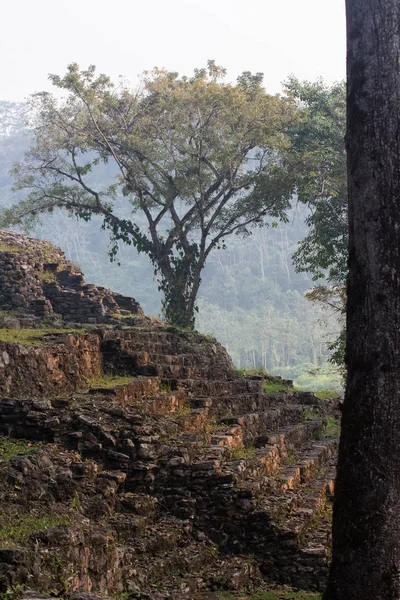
[
  {"x": 318, "y": 162},
  {"x": 200, "y": 158}
]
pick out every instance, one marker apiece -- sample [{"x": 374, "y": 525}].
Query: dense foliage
[
  {"x": 318, "y": 162},
  {"x": 251, "y": 297},
  {"x": 200, "y": 159}
]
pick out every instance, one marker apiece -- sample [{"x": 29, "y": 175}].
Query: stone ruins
[{"x": 135, "y": 461}]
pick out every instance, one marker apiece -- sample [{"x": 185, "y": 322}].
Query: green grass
[
  {"x": 183, "y": 411},
  {"x": 272, "y": 387},
  {"x": 243, "y": 452},
  {"x": 16, "y": 528},
  {"x": 10, "y": 448},
  {"x": 47, "y": 276},
  {"x": 278, "y": 594},
  {"x": 291, "y": 460},
  {"x": 310, "y": 412},
  {"x": 168, "y": 437},
  {"x": 326, "y": 394},
  {"x": 13, "y": 592},
  {"x": 8, "y": 313},
  {"x": 109, "y": 381},
  {"x": 270, "y": 384},
  {"x": 332, "y": 427},
  {"x": 166, "y": 387},
  {"x": 122, "y": 317},
  {"x": 256, "y": 371},
  {"x": 33, "y": 337},
  {"x": 9, "y": 248}
]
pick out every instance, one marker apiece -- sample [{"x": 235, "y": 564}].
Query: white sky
[{"x": 125, "y": 37}]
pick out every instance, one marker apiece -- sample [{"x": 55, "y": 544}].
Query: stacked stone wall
[
  {"x": 37, "y": 282},
  {"x": 50, "y": 369}
]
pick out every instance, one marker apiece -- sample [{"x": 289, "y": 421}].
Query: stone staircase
[{"x": 184, "y": 477}]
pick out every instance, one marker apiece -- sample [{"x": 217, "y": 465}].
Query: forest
[{"x": 253, "y": 289}]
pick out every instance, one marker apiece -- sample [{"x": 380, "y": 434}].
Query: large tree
[
  {"x": 366, "y": 519},
  {"x": 200, "y": 158}
]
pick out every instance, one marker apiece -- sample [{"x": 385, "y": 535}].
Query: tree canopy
[
  {"x": 318, "y": 162},
  {"x": 200, "y": 158}
]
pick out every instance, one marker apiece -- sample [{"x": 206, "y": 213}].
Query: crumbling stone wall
[
  {"x": 50, "y": 369},
  {"x": 64, "y": 362},
  {"x": 37, "y": 280}
]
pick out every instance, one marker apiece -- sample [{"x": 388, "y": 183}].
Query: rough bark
[{"x": 366, "y": 522}]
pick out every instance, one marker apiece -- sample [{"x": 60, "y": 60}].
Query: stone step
[
  {"x": 218, "y": 387},
  {"x": 256, "y": 424},
  {"x": 194, "y": 468},
  {"x": 194, "y": 421},
  {"x": 233, "y": 405},
  {"x": 212, "y": 441},
  {"x": 159, "y": 403},
  {"x": 132, "y": 392},
  {"x": 277, "y": 494},
  {"x": 137, "y": 504},
  {"x": 144, "y": 358},
  {"x": 272, "y": 525},
  {"x": 308, "y": 463},
  {"x": 311, "y": 502},
  {"x": 189, "y": 370},
  {"x": 276, "y": 450},
  {"x": 160, "y": 346}
]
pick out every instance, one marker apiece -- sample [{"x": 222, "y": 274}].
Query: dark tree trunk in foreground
[{"x": 366, "y": 522}]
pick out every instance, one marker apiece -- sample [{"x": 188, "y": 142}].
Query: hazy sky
[{"x": 124, "y": 37}]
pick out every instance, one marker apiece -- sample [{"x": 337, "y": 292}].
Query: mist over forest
[{"x": 251, "y": 297}]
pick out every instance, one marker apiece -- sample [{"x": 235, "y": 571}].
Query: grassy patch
[
  {"x": 10, "y": 448},
  {"x": 33, "y": 337},
  {"x": 47, "y": 276},
  {"x": 326, "y": 394},
  {"x": 310, "y": 412},
  {"x": 177, "y": 329},
  {"x": 243, "y": 452},
  {"x": 278, "y": 594},
  {"x": 16, "y": 528},
  {"x": 291, "y": 460},
  {"x": 270, "y": 384},
  {"x": 331, "y": 428},
  {"x": 183, "y": 411},
  {"x": 9, "y": 248},
  {"x": 121, "y": 317},
  {"x": 8, "y": 313},
  {"x": 168, "y": 437},
  {"x": 166, "y": 387},
  {"x": 250, "y": 372},
  {"x": 13, "y": 592},
  {"x": 109, "y": 381},
  {"x": 271, "y": 387},
  {"x": 207, "y": 337}
]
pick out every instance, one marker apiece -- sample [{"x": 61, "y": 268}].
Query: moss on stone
[
  {"x": 33, "y": 337},
  {"x": 47, "y": 276},
  {"x": 10, "y": 448},
  {"x": 109, "y": 381},
  {"x": 16, "y": 528},
  {"x": 243, "y": 452},
  {"x": 332, "y": 427},
  {"x": 9, "y": 248},
  {"x": 272, "y": 387}
]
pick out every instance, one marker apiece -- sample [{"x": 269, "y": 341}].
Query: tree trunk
[
  {"x": 366, "y": 519},
  {"x": 176, "y": 308}
]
